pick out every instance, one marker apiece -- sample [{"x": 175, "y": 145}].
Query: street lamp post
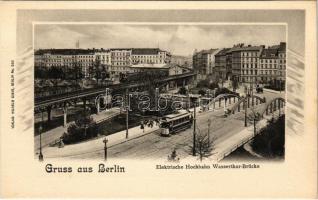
[
  {"x": 105, "y": 148},
  {"x": 194, "y": 127},
  {"x": 188, "y": 101},
  {"x": 127, "y": 120},
  {"x": 40, "y": 130},
  {"x": 208, "y": 95},
  {"x": 127, "y": 112},
  {"x": 156, "y": 99},
  {"x": 245, "y": 108},
  {"x": 106, "y": 98},
  {"x": 209, "y": 124}
]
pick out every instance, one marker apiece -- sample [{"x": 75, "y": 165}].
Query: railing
[{"x": 92, "y": 91}]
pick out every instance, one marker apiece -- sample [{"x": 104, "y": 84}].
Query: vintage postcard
[{"x": 158, "y": 99}]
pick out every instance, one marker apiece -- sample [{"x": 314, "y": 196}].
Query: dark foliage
[
  {"x": 275, "y": 85},
  {"x": 83, "y": 128},
  {"x": 203, "y": 84},
  {"x": 202, "y": 92},
  {"x": 213, "y": 85},
  {"x": 270, "y": 142},
  {"x": 204, "y": 146},
  {"x": 183, "y": 91}
]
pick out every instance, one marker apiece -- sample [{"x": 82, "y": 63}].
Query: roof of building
[
  {"x": 209, "y": 51},
  {"x": 222, "y": 52},
  {"x": 282, "y": 46},
  {"x": 272, "y": 51},
  {"x": 64, "y": 51},
  {"x": 246, "y": 48},
  {"x": 145, "y": 51},
  {"x": 120, "y": 49},
  {"x": 269, "y": 53}
]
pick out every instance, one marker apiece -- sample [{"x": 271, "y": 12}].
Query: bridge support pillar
[
  {"x": 256, "y": 101},
  {"x": 219, "y": 103},
  {"x": 248, "y": 102},
  {"x": 65, "y": 116},
  {"x": 271, "y": 108},
  {"x": 274, "y": 105},
  {"x": 229, "y": 100},
  {"x": 253, "y": 101},
  {"x": 48, "y": 110},
  {"x": 279, "y": 108},
  {"x": 183, "y": 83},
  {"x": 167, "y": 87},
  {"x": 97, "y": 107},
  {"x": 234, "y": 99},
  {"x": 213, "y": 104}
]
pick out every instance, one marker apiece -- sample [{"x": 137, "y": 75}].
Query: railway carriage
[{"x": 174, "y": 123}]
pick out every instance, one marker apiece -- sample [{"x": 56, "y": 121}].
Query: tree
[
  {"x": 204, "y": 146},
  {"x": 183, "y": 91},
  {"x": 254, "y": 117},
  {"x": 234, "y": 84},
  {"x": 203, "y": 83},
  {"x": 213, "y": 85},
  {"x": 77, "y": 71},
  {"x": 83, "y": 128},
  {"x": 173, "y": 157},
  {"x": 271, "y": 141},
  {"x": 202, "y": 92}
]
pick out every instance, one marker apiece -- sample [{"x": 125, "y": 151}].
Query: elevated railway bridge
[{"x": 47, "y": 103}]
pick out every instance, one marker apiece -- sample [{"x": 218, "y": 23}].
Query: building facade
[
  {"x": 182, "y": 60},
  {"x": 221, "y": 71},
  {"x": 204, "y": 62},
  {"x": 115, "y": 61},
  {"x": 150, "y": 56},
  {"x": 273, "y": 64},
  {"x": 245, "y": 64}
]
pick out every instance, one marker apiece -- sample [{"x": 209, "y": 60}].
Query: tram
[{"x": 174, "y": 123}]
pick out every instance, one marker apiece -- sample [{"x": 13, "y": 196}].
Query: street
[{"x": 155, "y": 146}]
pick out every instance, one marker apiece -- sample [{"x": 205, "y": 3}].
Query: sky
[{"x": 178, "y": 39}]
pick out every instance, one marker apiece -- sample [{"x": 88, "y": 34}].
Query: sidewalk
[
  {"x": 97, "y": 144},
  {"x": 225, "y": 147},
  {"x": 56, "y": 133}
]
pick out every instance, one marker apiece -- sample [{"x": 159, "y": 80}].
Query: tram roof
[{"x": 181, "y": 113}]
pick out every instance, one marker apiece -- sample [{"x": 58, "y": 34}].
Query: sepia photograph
[
  {"x": 159, "y": 91},
  {"x": 158, "y": 99}
]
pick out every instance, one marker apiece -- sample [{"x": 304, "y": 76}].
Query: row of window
[
  {"x": 249, "y": 72},
  {"x": 271, "y": 72},
  {"x": 120, "y": 53},
  {"x": 249, "y": 54},
  {"x": 247, "y": 79},
  {"x": 272, "y": 61}
]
